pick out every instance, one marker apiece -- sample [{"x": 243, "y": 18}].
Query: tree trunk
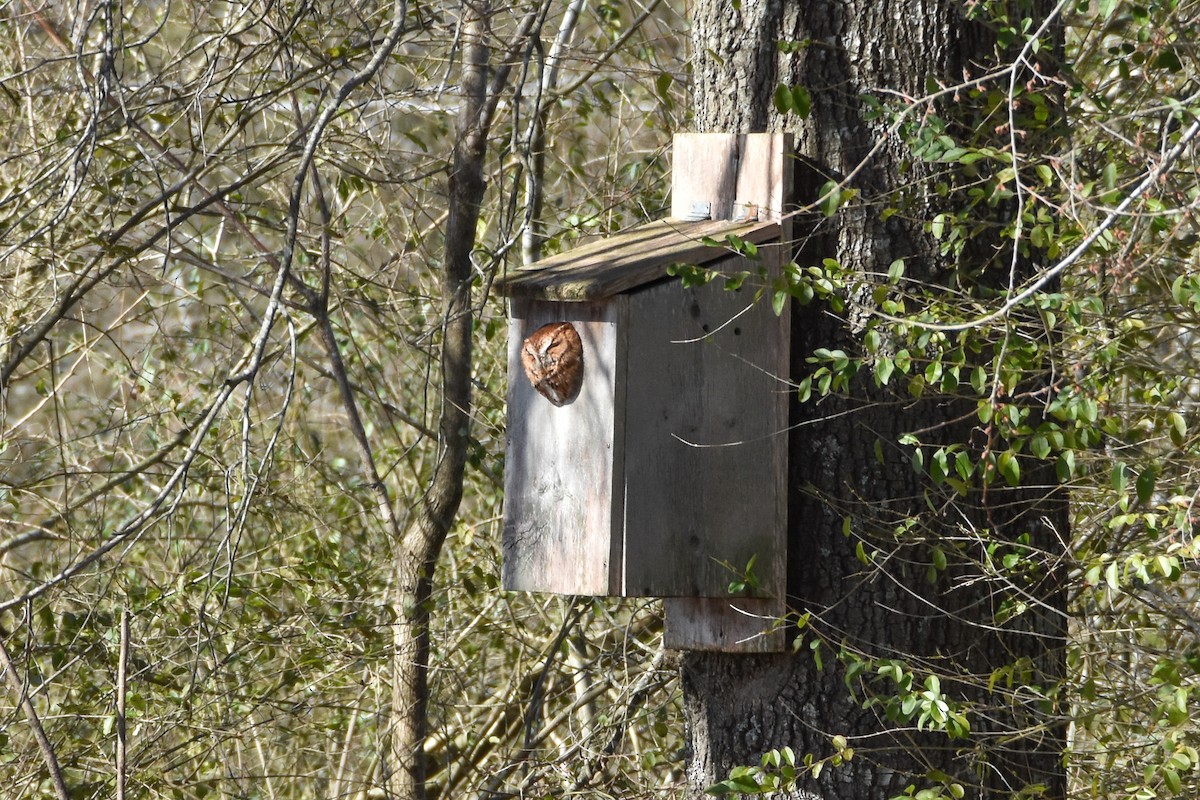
[
  {"x": 418, "y": 549},
  {"x": 851, "y": 480}
]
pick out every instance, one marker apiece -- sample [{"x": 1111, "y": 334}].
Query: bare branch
[
  {"x": 122, "y": 687},
  {"x": 35, "y": 724}
]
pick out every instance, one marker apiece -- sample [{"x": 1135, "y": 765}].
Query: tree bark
[
  {"x": 846, "y": 462},
  {"x": 418, "y": 550}
]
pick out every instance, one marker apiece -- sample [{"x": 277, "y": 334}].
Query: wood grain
[
  {"x": 558, "y": 521},
  {"x": 706, "y": 422},
  {"x": 741, "y": 625},
  {"x": 731, "y": 172},
  {"x": 625, "y": 261}
]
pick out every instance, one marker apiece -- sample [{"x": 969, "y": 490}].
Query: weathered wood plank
[
  {"x": 627, "y": 260},
  {"x": 731, "y": 173},
  {"x": 740, "y": 625},
  {"x": 744, "y": 625},
  {"x": 707, "y": 432},
  {"x": 559, "y": 528}
]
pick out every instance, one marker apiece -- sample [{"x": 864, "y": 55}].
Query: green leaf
[
  {"x": 1168, "y": 566},
  {"x": 979, "y": 379},
  {"x": 1177, "y": 290},
  {"x": 1010, "y": 467},
  {"x": 939, "y": 466},
  {"x": 963, "y": 465},
  {"x": 1109, "y": 176},
  {"x": 939, "y": 559},
  {"x": 883, "y": 370},
  {"x": 662, "y": 84},
  {"x": 1112, "y": 576},
  {"x": 1177, "y": 428},
  {"x": 1065, "y": 468},
  {"x": 1039, "y": 445},
  {"x": 1168, "y": 60},
  {"x": 783, "y": 98},
  {"x": 1119, "y": 479},
  {"x": 1145, "y": 485},
  {"x": 779, "y": 301},
  {"x": 801, "y": 102},
  {"x": 1171, "y": 779},
  {"x": 938, "y": 226},
  {"x": 832, "y": 198}
]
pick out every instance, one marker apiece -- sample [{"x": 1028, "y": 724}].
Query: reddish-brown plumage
[{"x": 553, "y": 360}]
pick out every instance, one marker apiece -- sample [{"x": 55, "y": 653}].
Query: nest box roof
[{"x": 632, "y": 258}]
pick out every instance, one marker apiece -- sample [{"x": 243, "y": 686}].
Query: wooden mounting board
[{"x": 731, "y": 172}]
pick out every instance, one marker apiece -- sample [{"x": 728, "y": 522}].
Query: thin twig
[
  {"x": 1152, "y": 177},
  {"x": 122, "y": 681},
  {"x": 39, "y": 733}
]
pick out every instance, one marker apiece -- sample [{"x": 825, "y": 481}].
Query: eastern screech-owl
[{"x": 553, "y": 360}]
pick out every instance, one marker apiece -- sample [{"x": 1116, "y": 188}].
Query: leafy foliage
[
  {"x": 1085, "y": 368},
  {"x": 176, "y": 442},
  {"x": 173, "y": 444}
]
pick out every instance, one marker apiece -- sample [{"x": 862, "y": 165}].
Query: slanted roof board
[{"x": 629, "y": 259}]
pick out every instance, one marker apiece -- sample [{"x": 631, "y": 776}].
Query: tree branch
[
  {"x": 39, "y": 733},
  {"x": 122, "y": 681}
]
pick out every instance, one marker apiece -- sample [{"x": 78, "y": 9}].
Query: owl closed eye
[{"x": 553, "y": 360}]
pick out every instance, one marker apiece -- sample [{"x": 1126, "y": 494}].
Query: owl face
[{"x": 553, "y": 360}]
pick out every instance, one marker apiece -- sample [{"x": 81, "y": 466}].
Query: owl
[{"x": 553, "y": 360}]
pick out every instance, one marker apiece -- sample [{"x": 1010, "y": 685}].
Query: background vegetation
[{"x": 220, "y": 220}]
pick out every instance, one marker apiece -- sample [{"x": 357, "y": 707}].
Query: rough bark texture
[
  {"x": 740, "y": 706},
  {"x": 418, "y": 550}
]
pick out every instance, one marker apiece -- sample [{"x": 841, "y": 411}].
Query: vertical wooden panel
[
  {"x": 704, "y": 170},
  {"x": 739, "y": 625},
  {"x": 706, "y": 421},
  {"x": 764, "y": 179},
  {"x": 764, "y": 173},
  {"x": 558, "y": 499},
  {"x": 730, "y": 172}
]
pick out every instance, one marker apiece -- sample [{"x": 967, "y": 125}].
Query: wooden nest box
[{"x": 651, "y": 458}]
